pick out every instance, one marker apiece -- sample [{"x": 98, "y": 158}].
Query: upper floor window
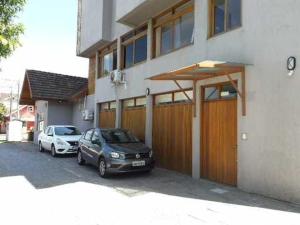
[
  {"x": 225, "y": 15},
  {"x": 174, "y": 28},
  {"x": 134, "y": 47},
  {"x": 108, "y": 58}
]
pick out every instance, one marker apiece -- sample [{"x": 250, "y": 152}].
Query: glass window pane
[
  {"x": 96, "y": 136},
  {"x": 211, "y": 93},
  {"x": 180, "y": 96},
  {"x": 115, "y": 59},
  {"x": 104, "y": 106},
  {"x": 184, "y": 29},
  {"x": 140, "y": 51},
  {"x": 177, "y": 37},
  {"x": 107, "y": 64},
  {"x": 113, "y": 105},
  {"x": 166, "y": 38},
  {"x": 140, "y": 101},
  {"x": 228, "y": 91},
  {"x": 128, "y": 55},
  {"x": 234, "y": 14},
  {"x": 161, "y": 99},
  {"x": 128, "y": 103},
  {"x": 219, "y": 16}
]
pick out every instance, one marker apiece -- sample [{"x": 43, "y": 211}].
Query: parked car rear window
[
  {"x": 61, "y": 131},
  {"x": 118, "y": 136}
]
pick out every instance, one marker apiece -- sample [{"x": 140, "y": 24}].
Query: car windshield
[
  {"x": 118, "y": 136},
  {"x": 61, "y": 131}
]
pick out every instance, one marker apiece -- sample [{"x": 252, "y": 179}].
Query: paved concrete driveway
[{"x": 38, "y": 189}]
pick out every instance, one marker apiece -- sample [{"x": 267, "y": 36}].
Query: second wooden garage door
[
  {"x": 107, "y": 115},
  {"x": 134, "y": 117},
  {"x": 172, "y": 136}
]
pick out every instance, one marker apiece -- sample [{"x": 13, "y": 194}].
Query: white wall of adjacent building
[{"x": 269, "y": 161}]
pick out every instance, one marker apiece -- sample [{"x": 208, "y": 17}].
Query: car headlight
[
  {"x": 60, "y": 142},
  {"x": 150, "y": 154},
  {"x": 115, "y": 155}
]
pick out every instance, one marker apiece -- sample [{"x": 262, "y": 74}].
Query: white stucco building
[{"x": 207, "y": 85}]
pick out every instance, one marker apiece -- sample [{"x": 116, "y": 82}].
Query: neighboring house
[
  {"x": 237, "y": 122},
  {"x": 58, "y": 100},
  {"x": 26, "y": 115}
]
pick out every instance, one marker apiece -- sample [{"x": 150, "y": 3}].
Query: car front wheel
[
  {"x": 41, "y": 149},
  {"x": 53, "y": 151},
  {"x": 80, "y": 160},
  {"x": 102, "y": 168}
]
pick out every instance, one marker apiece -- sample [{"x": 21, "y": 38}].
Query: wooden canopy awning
[{"x": 206, "y": 70}]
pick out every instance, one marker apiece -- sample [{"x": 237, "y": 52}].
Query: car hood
[
  {"x": 130, "y": 147},
  {"x": 69, "y": 138}
]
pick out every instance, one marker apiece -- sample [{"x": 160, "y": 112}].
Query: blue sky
[
  {"x": 50, "y": 18},
  {"x": 49, "y": 42}
]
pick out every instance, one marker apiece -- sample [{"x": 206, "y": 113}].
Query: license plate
[{"x": 138, "y": 163}]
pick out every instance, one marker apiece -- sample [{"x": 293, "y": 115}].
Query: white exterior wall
[
  {"x": 78, "y": 107},
  {"x": 93, "y": 35},
  {"x": 269, "y": 161},
  {"x": 41, "y": 108}
]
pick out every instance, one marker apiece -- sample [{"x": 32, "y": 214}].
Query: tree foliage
[
  {"x": 3, "y": 112},
  {"x": 10, "y": 30}
]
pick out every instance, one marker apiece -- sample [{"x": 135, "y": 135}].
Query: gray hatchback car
[{"x": 114, "y": 151}]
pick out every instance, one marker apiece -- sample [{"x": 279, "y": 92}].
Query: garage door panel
[
  {"x": 172, "y": 136},
  {"x": 134, "y": 119},
  {"x": 107, "y": 119}
]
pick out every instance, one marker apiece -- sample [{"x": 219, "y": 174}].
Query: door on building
[
  {"x": 219, "y": 133},
  {"x": 172, "y": 131},
  {"x": 134, "y": 116},
  {"x": 107, "y": 115}
]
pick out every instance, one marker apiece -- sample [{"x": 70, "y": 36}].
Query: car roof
[
  {"x": 112, "y": 129},
  {"x": 61, "y": 126}
]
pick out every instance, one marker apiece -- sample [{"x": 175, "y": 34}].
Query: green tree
[
  {"x": 3, "y": 112},
  {"x": 10, "y": 30}
]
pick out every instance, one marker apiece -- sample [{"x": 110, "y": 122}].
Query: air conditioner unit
[
  {"x": 117, "y": 77},
  {"x": 88, "y": 115}
]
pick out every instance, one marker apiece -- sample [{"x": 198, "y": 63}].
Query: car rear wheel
[
  {"x": 80, "y": 160},
  {"x": 41, "y": 149},
  {"x": 53, "y": 151},
  {"x": 102, "y": 168}
]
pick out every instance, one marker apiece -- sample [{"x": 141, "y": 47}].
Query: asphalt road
[{"x": 38, "y": 189}]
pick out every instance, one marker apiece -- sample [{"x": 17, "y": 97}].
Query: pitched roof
[{"x": 39, "y": 85}]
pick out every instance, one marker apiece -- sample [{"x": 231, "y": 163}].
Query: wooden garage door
[
  {"x": 107, "y": 115},
  {"x": 219, "y": 135},
  {"x": 172, "y": 135},
  {"x": 134, "y": 116}
]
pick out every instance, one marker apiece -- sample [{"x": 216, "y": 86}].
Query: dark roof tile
[{"x": 45, "y": 85}]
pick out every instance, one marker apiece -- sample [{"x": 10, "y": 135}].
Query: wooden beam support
[
  {"x": 244, "y": 107},
  {"x": 194, "y": 98},
  {"x": 241, "y": 94},
  {"x": 178, "y": 85},
  {"x": 235, "y": 86}
]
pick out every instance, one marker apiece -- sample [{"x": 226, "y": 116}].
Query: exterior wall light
[
  {"x": 291, "y": 65},
  {"x": 147, "y": 91}
]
